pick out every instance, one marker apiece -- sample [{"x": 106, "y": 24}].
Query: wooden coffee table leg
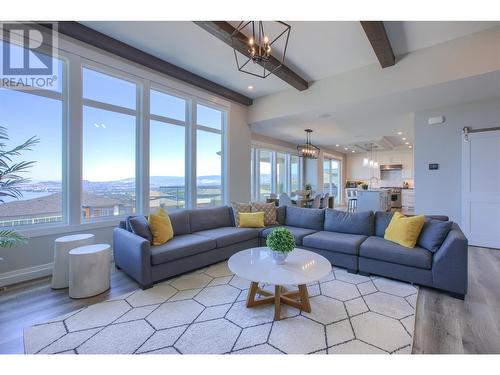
[
  {"x": 254, "y": 286},
  {"x": 277, "y": 302},
  {"x": 304, "y": 298}
]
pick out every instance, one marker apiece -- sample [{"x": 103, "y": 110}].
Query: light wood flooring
[{"x": 443, "y": 324}]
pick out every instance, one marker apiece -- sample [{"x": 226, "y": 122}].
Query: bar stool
[{"x": 352, "y": 200}]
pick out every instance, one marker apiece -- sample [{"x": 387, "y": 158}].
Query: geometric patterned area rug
[{"x": 204, "y": 312}]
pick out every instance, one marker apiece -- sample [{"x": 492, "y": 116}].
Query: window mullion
[
  {"x": 191, "y": 154},
  {"x": 143, "y": 147},
  {"x": 74, "y": 148}
]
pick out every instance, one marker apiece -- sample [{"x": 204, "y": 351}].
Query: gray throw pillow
[
  {"x": 140, "y": 227},
  {"x": 433, "y": 234},
  {"x": 349, "y": 222},
  {"x": 382, "y": 220}
]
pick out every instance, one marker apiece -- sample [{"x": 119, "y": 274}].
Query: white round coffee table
[{"x": 301, "y": 268}]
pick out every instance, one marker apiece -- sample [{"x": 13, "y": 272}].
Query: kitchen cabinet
[{"x": 408, "y": 198}]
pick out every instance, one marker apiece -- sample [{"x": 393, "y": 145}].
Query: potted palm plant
[
  {"x": 11, "y": 177},
  {"x": 281, "y": 242}
]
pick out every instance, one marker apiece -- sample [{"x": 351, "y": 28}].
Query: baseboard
[{"x": 25, "y": 274}]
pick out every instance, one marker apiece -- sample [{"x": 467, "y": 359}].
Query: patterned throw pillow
[
  {"x": 269, "y": 210},
  {"x": 237, "y": 208}
]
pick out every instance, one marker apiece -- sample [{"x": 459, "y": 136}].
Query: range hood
[{"x": 391, "y": 167}]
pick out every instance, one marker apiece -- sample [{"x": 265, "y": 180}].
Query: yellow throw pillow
[
  {"x": 251, "y": 219},
  {"x": 404, "y": 230},
  {"x": 161, "y": 227}
]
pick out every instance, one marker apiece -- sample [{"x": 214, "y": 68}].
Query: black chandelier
[
  {"x": 308, "y": 150},
  {"x": 259, "y": 46}
]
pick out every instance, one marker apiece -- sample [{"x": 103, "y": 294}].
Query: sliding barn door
[{"x": 481, "y": 188}]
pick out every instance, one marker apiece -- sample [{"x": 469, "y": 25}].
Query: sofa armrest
[
  {"x": 450, "y": 263},
  {"x": 133, "y": 254}
]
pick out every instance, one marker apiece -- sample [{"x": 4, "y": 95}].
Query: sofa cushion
[
  {"x": 379, "y": 249},
  {"x": 382, "y": 220},
  {"x": 181, "y": 246},
  {"x": 180, "y": 222},
  {"x": 433, "y": 234},
  {"x": 298, "y": 233},
  {"x": 140, "y": 227},
  {"x": 209, "y": 218},
  {"x": 333, "y": 241},
  {"x": 226, "y": 236},
  {"x": 310, "y": 218},
  {"x": 349, "y": 222}
]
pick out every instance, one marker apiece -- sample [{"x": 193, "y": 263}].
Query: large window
[
  {"x": 294, "y": 173},
  {"x": 273, "y": 173},
  {"x": 265, "y": 180},
  {"x": 99, "y": 127},
  {"x": 281, "y": 173},
  {"x": 331, "y": 178},
  {"x": 40, "y": 114},
  {"x": 109, "y": 129},
  {"x": 209, "y": 153},
  {"x": 167, "y": 160}
]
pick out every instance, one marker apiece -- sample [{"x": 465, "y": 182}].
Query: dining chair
[
  {"x": 285, "y": 200},
  {"x": 316, "y": 203},
  {"x": 324, "y": 200}
]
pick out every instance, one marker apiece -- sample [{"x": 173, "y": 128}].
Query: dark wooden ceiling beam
[
  {"x": 126, "y": 51},
  {"x": 375, "y": 31},
  {"x": 223, "y": 30}
]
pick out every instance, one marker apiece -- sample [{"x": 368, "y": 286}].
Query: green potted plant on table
[{"x": 281, "y": 242}]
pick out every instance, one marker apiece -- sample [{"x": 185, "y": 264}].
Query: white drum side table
[
  {"x": 89, "y": 270},
  {"x": 60, "y": 272}
]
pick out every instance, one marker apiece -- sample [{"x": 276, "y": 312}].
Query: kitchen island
[{"x": 373, "y": 200}]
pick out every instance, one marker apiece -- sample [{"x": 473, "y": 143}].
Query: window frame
[
  {"x": 255, "y": 153},
  {"x": 170, "y": 121},
  {"x": 224, "y": 146},
  {"x": 63, "y": 98},
  {"x": 76, "y": 55},
  {"x": 138, "y": 139}
]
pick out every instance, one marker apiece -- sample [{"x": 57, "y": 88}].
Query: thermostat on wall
[
  {"x": 436, "y": 120},
  {"x": 433, "y": 166}
]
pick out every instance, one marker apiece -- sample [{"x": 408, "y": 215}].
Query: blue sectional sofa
[{"x": 350, "y": 240}]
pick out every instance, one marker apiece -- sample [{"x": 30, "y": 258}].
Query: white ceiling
[{"x": 316, "y": 49}]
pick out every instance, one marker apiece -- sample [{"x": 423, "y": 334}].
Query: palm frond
[{"x": 9, "y": 238}]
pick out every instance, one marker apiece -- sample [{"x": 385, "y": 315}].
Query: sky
[{"x": 108, "y": 137}]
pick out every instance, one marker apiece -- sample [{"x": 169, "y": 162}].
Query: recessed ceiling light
[
  {"x": 345, "y": 148},
  {"x": 410, "y": 146},
  {"x": 337, "y": 145},
  {"x": 399, "y": 133},
  {"x": 407, "y": 143},
  {"x": 404, "y": 139},
  {"x": 353, "y": 151},
  {"x": 250, "y": 87}
]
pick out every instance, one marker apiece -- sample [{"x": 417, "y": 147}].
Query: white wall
[
  {"x": 439, "y": 192},
  {"x": 239, "y": 143}
]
